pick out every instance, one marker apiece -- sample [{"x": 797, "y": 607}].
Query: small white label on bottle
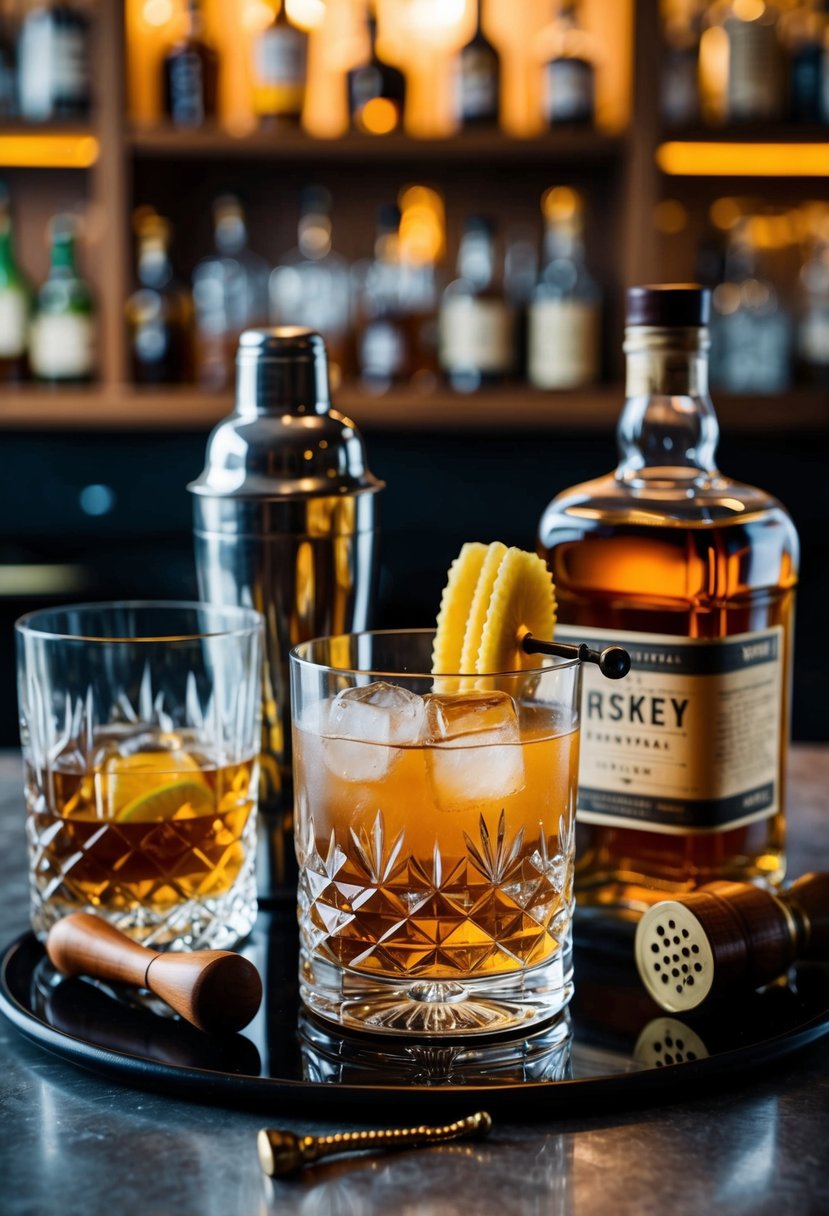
[
  {"x": 814, "y": 338},
  {"x": 475, "y": 335},
  {"x": 70, "y": 65},
  {"x": 382, "y": 350},
  {"x": 62, "y": 347},
  {"x": 476, "y": 85},
  {"x": 34, "y": 66},
  {"x": 562, "y": 343},
  {"x": 14, "y": 323},
  {"x": 280, "y": 58},
  {"x": 689, "y": 741},
  {"x": 570, "y": 91}
]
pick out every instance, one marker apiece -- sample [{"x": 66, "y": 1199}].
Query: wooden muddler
[{"x": 216, "y": 990}]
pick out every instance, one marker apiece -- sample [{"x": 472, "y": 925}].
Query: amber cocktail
[
  {"x": 139, "y": 727},
  {"x": 434, "y": 833}
]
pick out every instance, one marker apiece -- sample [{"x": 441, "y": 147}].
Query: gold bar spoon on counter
[{"x": 282, "y": 1152}]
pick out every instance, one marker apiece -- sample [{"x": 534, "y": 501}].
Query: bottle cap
[{"x": 668, "y": 304}]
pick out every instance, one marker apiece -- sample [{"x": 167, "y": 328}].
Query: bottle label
[
  {"x": 754, "y": 88},
  {"x": 14, "y": 321},
  {"x": 689, "y": 741},
  {"x": 476, "y": 85},
  {"x": 186, "y": 89},
  {"x": 70, "y": 66},
  {"x": 562, "y": 343},
  {"x": 814, "y": 338},
  {"x": 475, "y": 335},
  {"x": 382, "y": 350},
  {"x": 279, "y": 57},
  {"x": 35, "y": 66},
  {"x": 570, "y": 91},
  {"x": 62, "y": 347}
]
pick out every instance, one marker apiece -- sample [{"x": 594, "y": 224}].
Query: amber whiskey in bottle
[
  {"x": 683, "y": 764},
  {"x": 191, "y": 74}
]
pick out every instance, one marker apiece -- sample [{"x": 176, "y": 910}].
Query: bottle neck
[
  {"x": 563, "y": 242},
  {"x": 63, "y": 256},
  {"x": 668, "y": 429},
  {"x": 6, "y": 250},
  {"x": 476, "y": 259}
]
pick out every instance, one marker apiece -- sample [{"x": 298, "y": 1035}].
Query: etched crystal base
[
  {"x": 168, "y": 919},
  {"x": 485, "y": 1004}
]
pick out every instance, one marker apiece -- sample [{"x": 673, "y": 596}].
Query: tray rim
[{"x": 527, "y": 1099}]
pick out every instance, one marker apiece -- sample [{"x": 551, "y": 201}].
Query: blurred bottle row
[
  {"x": 745, "y": 61},
  {"x": 45, "y": 69},
  {"x": 511, "y": 312}
]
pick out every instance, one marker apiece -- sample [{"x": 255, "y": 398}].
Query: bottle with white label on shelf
[
  {"x": 280, "y": 70},
  {"x": 476, "y": 324},
  {"x": 563, "y": 333},
  {"x": 569, "y": 90},
  {"x": 477, "y": 79},
  {"x": 15, "y": 303},
  {"x": 682, "y": 768},
  {"x": 62, "y": 339},
  {"x": 53, "y": 73}
]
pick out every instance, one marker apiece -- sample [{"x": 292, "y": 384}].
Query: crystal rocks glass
[
  {"x": 140, "y": 731},
  {"x": 434, "y": 827}
]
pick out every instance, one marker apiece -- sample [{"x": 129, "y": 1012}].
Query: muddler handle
[{"x": 216, "y": 990}]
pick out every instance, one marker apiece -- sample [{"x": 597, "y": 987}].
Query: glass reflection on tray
[{"x": 613, "y": 1028}]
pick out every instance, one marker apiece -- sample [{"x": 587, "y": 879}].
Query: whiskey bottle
[
  {"x": 191, "y": 74},
  {"x": 280, "y": 68},
  {"x": 755, "y": 85},
  {"x": 230, "y": 295},
  {"x": 682, "y": 767},
  {"x": 475, "y": 322},
  {"x": 382, "y": 346},
  {"x": 570, "y": 71},
  {"x": 62, "y": 336},
  {"x": 53, "y": 63},
  {"x": 159, "y": 312},
  {"x": 376, "y": 91},
  {"x": 564, "y": 314},
  {"x": 477, "y": 79},
  {"x": 15, "y": 303}
]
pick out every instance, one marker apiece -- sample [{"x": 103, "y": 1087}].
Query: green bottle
[
  {"x": 62, "y": 346},
  {"x": 15, "y": 303}
]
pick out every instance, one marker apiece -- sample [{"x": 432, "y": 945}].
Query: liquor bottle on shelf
[
  {"x": 751, "y": 331},
  {"x": 563, "y": 341},
  {"x": 478, "y": 79},
  {"x": 280, "y": 69},
  {"x": 376, "y": 91},
  {"x": 570, "y": 70},
  {"x": 520, "y": 279},
  {"x": 755, "y": 84},
  {"x": 803, "y": 30},
  {"x": 682, "y": 770},
  {"x": 311, "y": 285},
  {"x": 8, "y": 69},
  {"x": 62, "y": 335},
  {"x": 813, "y": 324},
  {"x": 476, "y": 326},
  {"x": 15, "y": 302},
  {"x": 159, "y": 313},
  {"x": 230, "y": 294},
  {"x": 53, "y": 72},
  {"x": 680, "y": 100},
  {"x": 382, "y": 353},
  {"x": 191, "y": 74}
]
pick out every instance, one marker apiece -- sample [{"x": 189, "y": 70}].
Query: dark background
[{"x": 442, "y": 489}]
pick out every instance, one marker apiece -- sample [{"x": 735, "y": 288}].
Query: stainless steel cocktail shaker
[{"x": 286, "y": 522}]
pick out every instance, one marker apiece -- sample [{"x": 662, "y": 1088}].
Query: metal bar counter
[{"x": 71, "y": 1142}]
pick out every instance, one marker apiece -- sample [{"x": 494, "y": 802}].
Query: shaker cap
[
  {"x": 283, "y": 441},
  {"x": 686, "y": 305}
]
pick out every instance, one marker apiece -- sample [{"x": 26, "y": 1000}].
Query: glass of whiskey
[
  {"x": 434, "y": 829},
  {"x": 140, "y": 732}
]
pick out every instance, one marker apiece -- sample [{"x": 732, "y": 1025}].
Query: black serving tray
[{"x": 615, "y": 1048}]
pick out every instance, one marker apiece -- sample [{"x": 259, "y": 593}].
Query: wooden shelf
[
  {"x": 512, "y": 408},
  {"x": 750, "y": 133},
  {"x": 469, "y": 146}
]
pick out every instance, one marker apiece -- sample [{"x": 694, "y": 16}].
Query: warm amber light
[
  {"x": 669, "y": 216},
  {"x": 379, "y": 116},
  {"x": 48, "y": 151},
  {"x": 157, "y": 12},
  {"x": 560, "y": 203},
  {"x": 743, "y": 160},
  {"x": 306, "y": 13}
]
